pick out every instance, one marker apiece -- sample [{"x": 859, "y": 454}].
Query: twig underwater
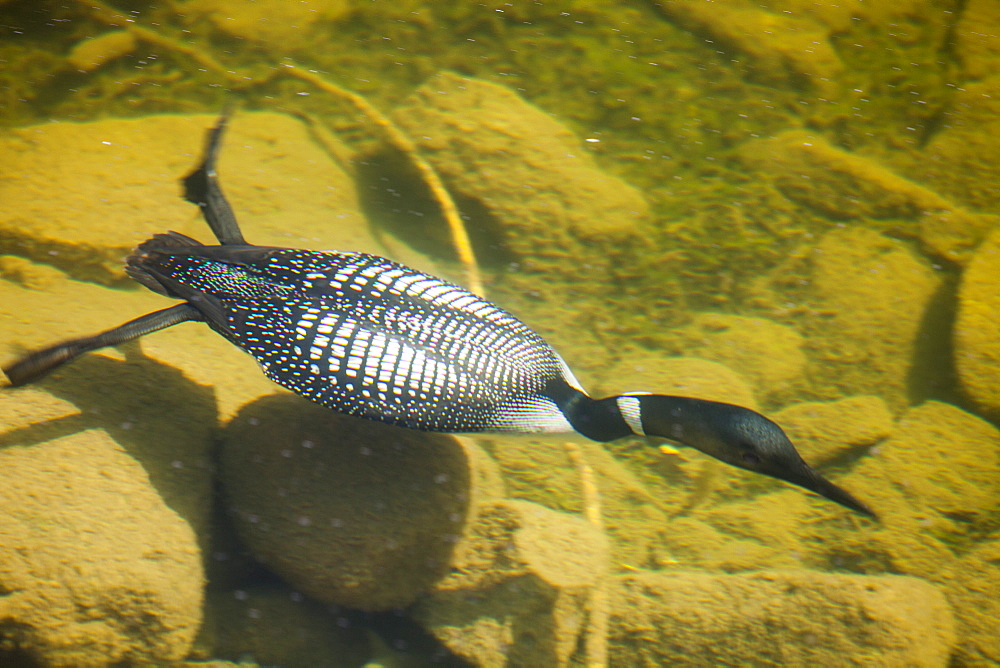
[
  {"x": 398, "y": 140},
  {"x": 395, "y": 137}
]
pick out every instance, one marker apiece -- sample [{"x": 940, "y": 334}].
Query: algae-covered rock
[
  {"x": 80, "y": 196},
  {"x": 846, "y": 186},
  {"x": 778, "y": 618},
  {"x": 963, "y": 158},
  {"x": 769, "y": 354},
  {"x": 782, "y": 48},
  {"x": 93, "y": 52},
  {"x": 686, "y": 376},
  {"x": 636, "y": 513},
  {"x": 811, "y": 171},
  {"x": 945, "y": 463},
  {"x": 535, "y": 197},
  {"x": 977, "y": 327},
  {"x": 697, "y": 540},
  {"x": 972, "y": 584},
  {"x": 94, "y": 568},
  {"x": 274, "y": 22},
  {"x": 349, "y": 511},
  {"x": 519, "y": 595},
  {"x": 824, "y": 431},
  {"x": 155, "y": 412},
  {"x": 525, "y": 167},
  {"x": 865, "y": 303},
  {"x": 27, "y": 274},
  {"x": 933, "y": 481},
  {"x": 975, "y": 42}
]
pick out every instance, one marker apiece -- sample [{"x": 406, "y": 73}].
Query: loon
[{"x": 372, "y": 338}]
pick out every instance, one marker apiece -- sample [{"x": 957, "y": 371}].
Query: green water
[{"x": 816, "y": 193}]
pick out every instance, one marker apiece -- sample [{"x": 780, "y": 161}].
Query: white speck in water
[
  {"x": 304, "y": 521},
  {"x": 365, "y": 450},
  {"x": 253, "y": 422},
  {"x": 240, "y": 595},
  {"x": 286, "y": 453},
  {"x": 441, "y": 478},
  {"x": 177, "y": 464},
  {"x": 253, "y": 613},
  {"x": 308, "y": 444}
]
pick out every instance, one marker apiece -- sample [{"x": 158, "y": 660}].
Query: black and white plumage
[
  {"x": 369, "y": 337},
  {"x": 366, "y": 336}
]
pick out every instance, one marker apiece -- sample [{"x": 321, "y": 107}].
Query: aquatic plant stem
[
  {"x": 396, "y": 137},
  {"x": 596, "y": 642},
  {"x": 460, "y": 238}
]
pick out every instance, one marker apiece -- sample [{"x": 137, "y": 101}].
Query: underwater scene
[{"x": 735, "y": 220}]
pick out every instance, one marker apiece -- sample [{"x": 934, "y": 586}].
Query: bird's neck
[{"x": 597, "y": 419}]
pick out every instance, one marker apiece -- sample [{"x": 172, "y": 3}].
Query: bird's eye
[{"x": 750, "y": 457}]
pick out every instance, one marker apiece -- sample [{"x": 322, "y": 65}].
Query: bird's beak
[{"x": 808, "y": 478}]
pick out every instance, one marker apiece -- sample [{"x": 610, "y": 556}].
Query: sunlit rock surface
[
  {"x": 535, "y": 200},
  {"x": 977, "y": 327},
  {"x": 825, "y": 431},
  {"x": 519, "y": 594},
  {"x": 779, "y": 618},
  {"x": 864, "y": 308},
  {"x": 685, "y": 376},
  {"x": 80, "y": 195},
  {"x": 94, "y": 568},
  {"x": 769, "y": 354}
]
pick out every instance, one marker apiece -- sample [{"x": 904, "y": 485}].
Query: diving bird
[{"x": 366, "y": 336}]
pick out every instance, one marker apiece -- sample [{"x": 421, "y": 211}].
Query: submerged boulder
[
  {"x": 865, "y": 303},
  {"x": 977, "y": 327},
  {"x": 94, "y": 568},
  {"x": 778, "y": 618},
  {"x": 769, "y": 354},
  {"x": 349, "y": 511},
  {"x": 284, "y": 188},
  {"x": 278, "y": 626},
  {"x": 519, "y": 594},
  {"x": 538, "y": 207}
]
